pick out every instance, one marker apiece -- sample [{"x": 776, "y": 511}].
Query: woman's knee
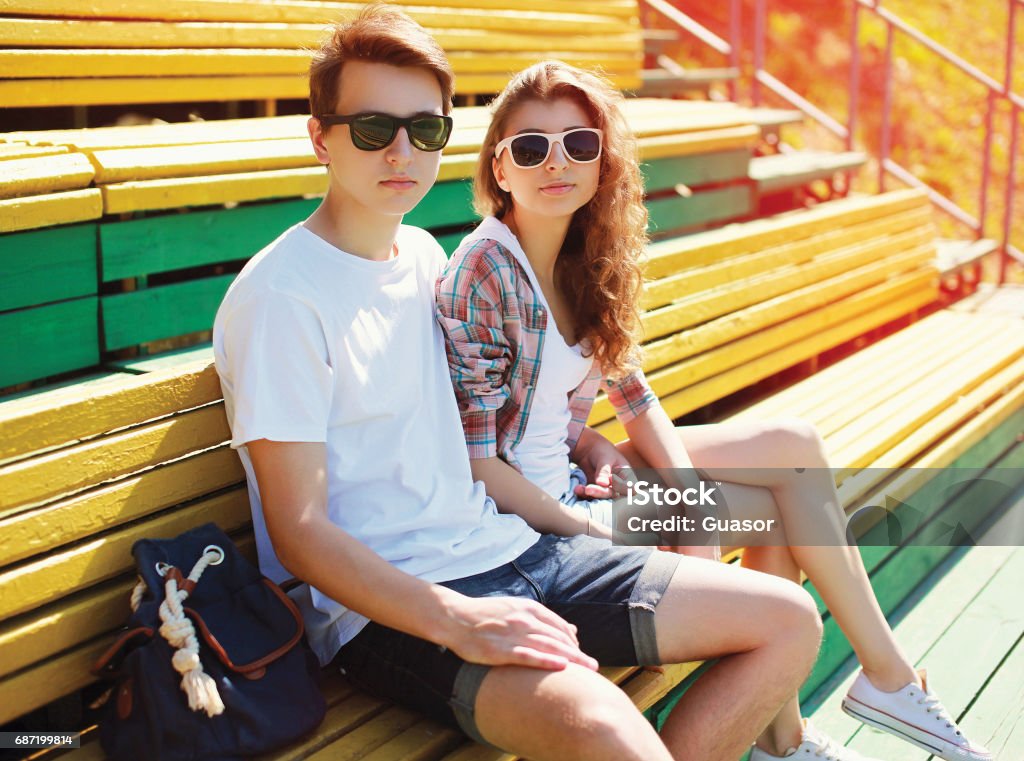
[{"x": 798, "y": 441}]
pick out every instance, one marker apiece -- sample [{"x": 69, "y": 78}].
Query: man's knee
[{"x": 798, "y": 625}]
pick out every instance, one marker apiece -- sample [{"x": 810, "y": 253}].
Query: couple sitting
[{"x": 481, "y": 587}]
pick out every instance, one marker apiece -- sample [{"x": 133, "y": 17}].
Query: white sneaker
[
  {"x": 814, "y": 744},
  {"x": 915, "y": 715}
]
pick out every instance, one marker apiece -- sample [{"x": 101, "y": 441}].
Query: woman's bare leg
[{"x": 766, "y": 457}]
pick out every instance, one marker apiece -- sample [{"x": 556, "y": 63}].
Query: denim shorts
[
  {"x": 608, "y": 592},
  {"x": 599, "y": 510}
]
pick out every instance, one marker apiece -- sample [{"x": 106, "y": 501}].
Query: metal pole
[
  {"x": 735, "y": 40},
  {"x": 986, "y": 164},
  {"x": 759, "y": 42},
  {"x": 886, "y": 108},
  {"x": 1011, "y": 178},
  {"x": 1011, "y": 38},
  {"x": 851, "y": 120}
]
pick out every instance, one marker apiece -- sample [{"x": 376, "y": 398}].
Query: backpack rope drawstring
[{"x": 178, "y": 630}]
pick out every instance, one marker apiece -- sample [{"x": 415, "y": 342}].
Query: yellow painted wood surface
[
  {"x": 30, "y": 532},
  {"x": 38, "y": 175},
  {"x": 10, "y": 151},
  {"x": 502, "y": 34},
  {"x": 701, "y": 364},
  {"x": 180, "y": 62},
  {"x": 676, "y": 254},
  {"x": 667, "y": 289},
  {"x": 277, "y": 11},
  {"x": 702, "y": 392},
  {"x": 44, "y": 421},
  {"x": 31, "y": 212},
  {"x": 544, "y": 21},
  {"x": 29, "y": 585}
]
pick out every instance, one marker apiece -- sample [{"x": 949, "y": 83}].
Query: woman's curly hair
[{"x": 597, "y": 268}]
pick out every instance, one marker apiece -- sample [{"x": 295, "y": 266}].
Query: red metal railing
[{"x": 998, "y": 92}]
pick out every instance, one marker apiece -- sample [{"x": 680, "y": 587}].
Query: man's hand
[
  {"x": 601, "y": 462},
  {"x": 510, "y": 631}
]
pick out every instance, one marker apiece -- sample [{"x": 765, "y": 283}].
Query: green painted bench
[{"x": 141, "y": 272}]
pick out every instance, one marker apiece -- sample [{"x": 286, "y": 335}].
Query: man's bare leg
[
  {"x": 765, "y": 632},
  {"x": 563, "y": 715}
]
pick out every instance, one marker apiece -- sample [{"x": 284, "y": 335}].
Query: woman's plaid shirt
[{"x": 494, "y": 325}]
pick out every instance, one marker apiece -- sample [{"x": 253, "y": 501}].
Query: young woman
[{"x": 539, "y": 308}]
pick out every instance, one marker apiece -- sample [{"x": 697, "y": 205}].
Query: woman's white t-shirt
[{"x": 543, "y": 451}]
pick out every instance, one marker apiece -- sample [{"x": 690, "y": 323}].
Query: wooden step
[{"x": 786, "y": 171}]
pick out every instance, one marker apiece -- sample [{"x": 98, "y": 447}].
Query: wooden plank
[
  {"x": 717, "y": 348},
  {"x": 56, "y": 474},
  {"x": 197, "y": 9},
  {"x": 672, "y": 256},
  {"x": 672, "y": 287},
  {"x": 968, "y": 652},
  {"x": 43, "y": 421},
  {"x": 786, "y": 171},
  {"x": 166, "y": 360},
  {"x": 690, "y": 143},
  {"x": 37, "y": 582},
  {"x": 423, "y": 741},
  {"x": 47, "y": 340},
  {"x": 41, "y": 266},
  {"x": 447, "y": 203},
  {"x": 883, "y": 361},
  {"x": 75, "y": 620},
  {"x": 437, "y": 16},
  {"x": 912, "y": 248},
  {"x": 921, "y": 375},
  {"x": 182, "y": 62},
  {"x": 10, "y": 151},
  {"x": 667, "y": 214},
  {"x": 891, "y": 421},
  {"x": 798, "y": 304},
  {"x": 995, "y": 719},
  {"x": 163, "y": 243},
  {"x": 31, "y": 212},
  {"x": 162, "y": 312},
  {"x": 38, "y": 175},
  {"x": 873, "y": 359},
  {"x": 120, "y": 165},
  {"x": 721, "y": 385},
  {"x": 208, "y": 191},
  {"x": 702, "y": 169},
  {"x": 51, "y": 33}
]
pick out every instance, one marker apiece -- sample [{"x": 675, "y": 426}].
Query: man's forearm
[{"x": 346, "y": 570}]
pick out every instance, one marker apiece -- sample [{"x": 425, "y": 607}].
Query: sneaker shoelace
[
  {"x": 826, "y": 749},
  {"x": 932, "y": 704}
]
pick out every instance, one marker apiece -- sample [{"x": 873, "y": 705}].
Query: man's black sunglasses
[{"x": 374, "y": 132}]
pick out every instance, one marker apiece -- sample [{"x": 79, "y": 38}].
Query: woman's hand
[{"x": 601, "y": 462}]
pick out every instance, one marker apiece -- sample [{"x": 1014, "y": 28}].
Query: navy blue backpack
[{"x": 212, "y": 663}]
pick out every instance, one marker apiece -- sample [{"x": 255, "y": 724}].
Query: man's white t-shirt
[{"x": 313, "y": 344}]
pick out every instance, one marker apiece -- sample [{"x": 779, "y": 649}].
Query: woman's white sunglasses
[{"x": 531, "y": 149}]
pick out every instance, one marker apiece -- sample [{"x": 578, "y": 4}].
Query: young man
[{"x": 337, "y": 391}]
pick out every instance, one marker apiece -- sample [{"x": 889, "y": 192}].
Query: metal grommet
[
  {"x": 216, "y": 549},
  {"x": 162, "y": 568}
]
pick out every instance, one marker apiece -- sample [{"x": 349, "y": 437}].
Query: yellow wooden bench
[
  {"x": 148, "y": 168},
  {"x": 63, "y": 52},
  {"x": 88, "y": 470}
]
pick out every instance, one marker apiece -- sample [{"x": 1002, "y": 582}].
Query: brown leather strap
[
  {"x": 259, "y": 663},
  {"x": 104, "y": 660}
]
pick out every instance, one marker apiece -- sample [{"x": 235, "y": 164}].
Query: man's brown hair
[{"x": 377, "y": 35}]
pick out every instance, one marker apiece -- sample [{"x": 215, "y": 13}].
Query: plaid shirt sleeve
[
  {"x": 469, "y": 310},
  {"x": 630, "y": 396}
]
